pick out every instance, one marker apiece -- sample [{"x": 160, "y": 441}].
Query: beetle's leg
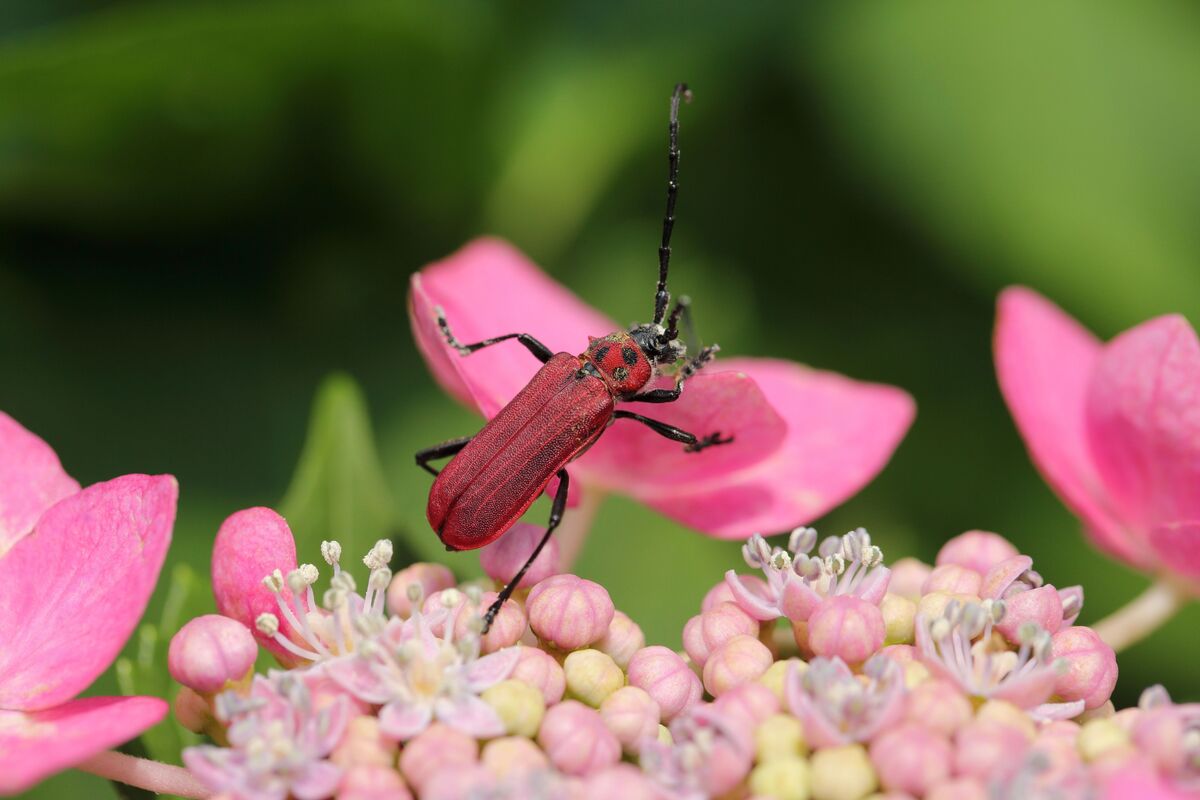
[
  {"x": 694, "y": 443},
  {"x": 539, "y": 350},
  {"x": 443, "y": 450},
  {"x": 556, "y": 512},
  {"x": 690, "y": 368}
]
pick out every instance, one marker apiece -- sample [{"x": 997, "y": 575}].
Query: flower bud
[
  {"x": 911, "y": 758},
  {"x": 779, "y": 737},
  {"x": 1092, "y": 673},
  {"x": 989, "y": 750},
  {"x": 506, "y": 630},
  {"x": 1042, "y": 606},
  {"x": 976, "y": 550},
  {"x": 666, "y": 678},
  {"x": 519, "y": 706},
  {"x": 722, "y": 594},
  {"x": 192, "y": 711},
  {"x": 934, "y": 603},
  {"x": 775, "y": 678},
  {"x": 782, "y": 779},
  {"x": 364, "y": 744},
  {"x": 538, "y": 668},
  {"x": 907, "y": 578},
  {"x": 510, "y": 756},
  {"x": 632, "y": 715},
  {"x": 899, "y": 614},
  {"x": 622, "y": 640},
  {"x": 846, "y": 627},
  {"x": 457, "y": 782},
  {"x": 940, "y": 706},
  {"x": 705, "y": 632},
  {"x": 953, "y": 579},
  {"x": 623, "y": 781},
  {"x": 740, "y": 660},
  {"x": 438, "y": 747},
  {"x": 842, "y": 773},
  {"x": 430, "y": 577},
  {"x": 592, "y": 676},
  {"x": 1101, "y": 738},
  {"x": 503, "y": 558},
  {"x": 569, "y": 612},
  {"x": 751, "y": 702},
  {"x": 211, "y": 651},
  {"x": 372, "y": 782},
  {"x": 576, "y": 739},
  {"x": 1007, "y": 713},
  {"x": 959, "y": 789}
]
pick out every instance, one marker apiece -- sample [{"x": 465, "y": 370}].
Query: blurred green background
[{"x": 208, "y": 207}]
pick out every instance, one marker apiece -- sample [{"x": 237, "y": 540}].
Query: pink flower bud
[
  {"x": 721, "y": 593},
  {"x": 569, "y": 612},
  {"x": 729, "y": 758},
  {"x": 989, "y": 750},
  {"x": 456, "y": 782},
  {"x": 1042, "y": 606},
  {"x": 938, "y": 705},
  {"x": 846, "y": 627},
  {"x": 507, "y": 629},
  {"x": 436, "y": 748},
  {"x": 513, "y": 755},
  {"x": 1159, "y": 734},
  {"x": 210, "y": 651},
  {"x": 504, "y": 557},
  {"x": 976, "y": 550},
  {"x": 576, "y": 739},
  {"x": 751, "y": 702},
  {"x": 430, "y": 577},
  {"x": 705, "y": 632},
  {"x": 900, "y": 653},
  {"x": 911, "y": 758},
  {"x": 365, "y": 782},
  {"x": 1093, "y": 666},
  {"x": 632, "y": 715},
  {"x": 623, "y": 639},
  {"x": 908, "y": 576},
  {"x": 538, "y": 668},
  {"x": 667, "y": 678},
  {"x": 959, "y": 789},
  {"x": 740, "y": 660},
  {"x": 363, "y": 744},
  {"x": 623, "y": 781},
  {"x": 954, "y": 579}
]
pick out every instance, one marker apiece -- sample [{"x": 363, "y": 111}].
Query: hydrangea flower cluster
[{"x": 828, "y": 675}]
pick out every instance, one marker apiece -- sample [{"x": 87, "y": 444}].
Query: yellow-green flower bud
[
  {"x": 664, "y": 735},
  {"x": 1100, "y": 737},
  {"x": 898, "y": 614},
  {"x": 775, "y": 676},
  {"x": 779, "y": 736},
  {"x": 782, "y": 779},
  {"x": 592, "y": 676},
  {"x": 519, "y": 706},
  {"x": 1009, "y": 714},
  {"x": 842, "y": 773}
]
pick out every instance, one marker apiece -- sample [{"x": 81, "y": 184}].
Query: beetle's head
[{"x": 659, "y": 349}]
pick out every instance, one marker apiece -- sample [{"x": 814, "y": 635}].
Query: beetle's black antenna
[{"x": 664, "y": 249}]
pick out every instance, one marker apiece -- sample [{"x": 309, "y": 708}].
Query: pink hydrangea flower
[
  {"x": 1027, "y": 598},
  {"x": 837, "y": 708},
  {"x": 710, "y": 753},
  {"x": 77, "y": 568},
  {"x": 1112, "y": 427},
  {"x": 279, "y": 740},
  {"x": 804, "y": 440}
]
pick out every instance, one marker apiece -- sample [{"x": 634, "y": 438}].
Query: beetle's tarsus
[{"x": 712, "y": 440}]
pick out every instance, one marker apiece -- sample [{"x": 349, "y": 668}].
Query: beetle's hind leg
[
  {"x": 556, "y": 513},
  {"x": 443, "y": 450},
  {"x": 539, "y": 350},
  {"x": 694, "y": 443}
]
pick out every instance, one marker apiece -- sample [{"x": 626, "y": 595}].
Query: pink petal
[
  {"x": 487, "y": 289},
  {"x": 36, "y": 745},
  {"x": 750, "y": 602},
  {"x": 1177, "y": 545},
  {"x": 875, "y": 585},
  {"x": 1028, "y": 689},
  {"x": 404, "y": 720},
  {"x": 317, "y": 781},
  {"x": 73, "y": 590},
  {"x": 1001, "y": 576},
  {"x": 250, "y": 545},
  {"x": 354, "y": 674},
  {"x": 633, "y": 459},
  {"x": 1044, "y": 361},
  {"x": 491, "y": 669},
  {"x": 840, "y": 433},
  {"x": 470, "y": 715},
  {"x": 800, "y": 600},
  {"x": 1143, "y": 422},
  {"x": 31, "y": 480},
  {"x": 1049, "y": 712},
  {"x": 1064, "y": 595}
]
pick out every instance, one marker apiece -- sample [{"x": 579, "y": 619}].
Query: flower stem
[
  {"x": 145, "y": 774},
  {"x": 576, "y": 524},
  {"x": 1140, "y": 617}
]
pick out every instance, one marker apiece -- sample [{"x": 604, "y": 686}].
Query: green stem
[{"x": 1140, "y": 617}]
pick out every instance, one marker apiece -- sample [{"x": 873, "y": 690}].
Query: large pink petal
[
  {"x": 489, "y": 288},
  {"x": 31, "y": 480},
  {"x": 633, "y": 459},
  {"x": 1143, "y": 422},
  {"x": 36, "y": 745},
  {"x": 1177, "y": 545},
  {"x": 250, "y": 545},
  {"x": 840, "y": 433},
  {"x": 1044, "y": 361},
  {"x": 72, "y": 591}
]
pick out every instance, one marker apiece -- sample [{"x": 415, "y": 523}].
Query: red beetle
[{"x": 496, "y": 475}]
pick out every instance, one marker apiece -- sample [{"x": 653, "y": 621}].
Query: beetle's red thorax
[{"x": 621, "y": 363}]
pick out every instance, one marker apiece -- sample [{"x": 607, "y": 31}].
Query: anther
[
  {"x": 802, "y": 540},
  {"x": 380, "y": 555},
  {"x": 274, "y": 581},
  {"x": 267, "y": 624},
  {"x": 332, "y": 552}
]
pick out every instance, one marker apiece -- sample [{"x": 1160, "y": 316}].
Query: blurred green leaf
[
  {"x": 1047, "y": 143},
  {"x": 338, "y": 490}
]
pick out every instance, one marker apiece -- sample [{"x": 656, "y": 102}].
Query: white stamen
[
  {"x": 267, "y": 624},
  {"x": 274, "y": 581},
  {"x": 380, "y": 555},
  {"x": 331, "y": 551}
]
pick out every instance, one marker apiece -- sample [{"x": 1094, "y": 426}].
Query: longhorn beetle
[{"x": 497, "y": 474}]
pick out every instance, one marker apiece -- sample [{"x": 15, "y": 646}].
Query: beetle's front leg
[
  {"x": 443, "y": 450},
  {"x": 690, "y": 368},
  {"x": 539, "y": 350}
]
